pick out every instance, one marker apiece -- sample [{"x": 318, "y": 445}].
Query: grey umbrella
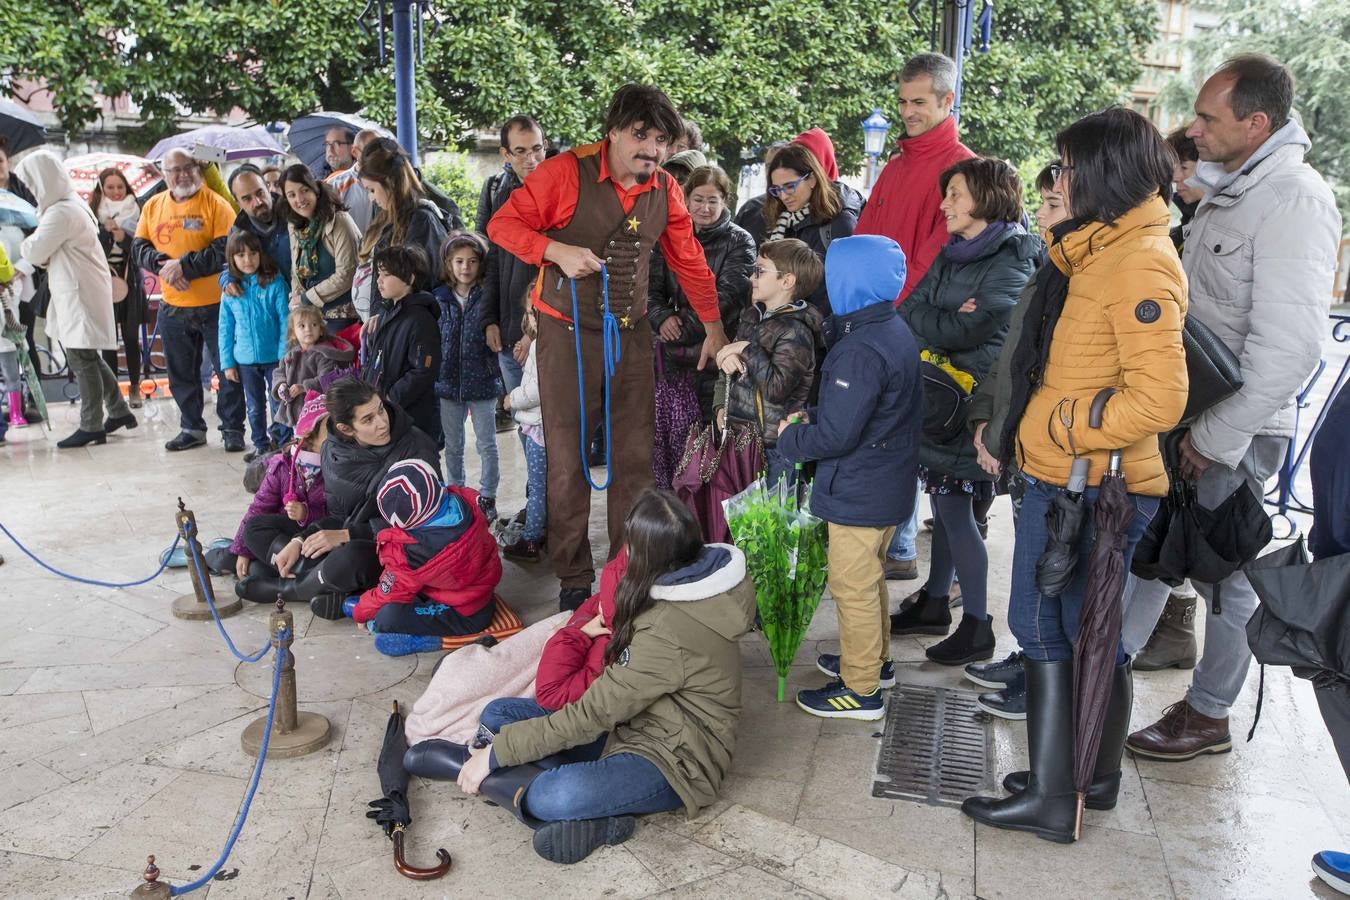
[
  {"x": 307, "y": 134},
  {"x": 20, "y": 127}
]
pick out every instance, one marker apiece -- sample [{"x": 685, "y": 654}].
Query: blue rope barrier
[
  {"x": 209, "y": 592},
  {"x": 613, "y": 352},
  {"x": 109, "y": 584},
  {"x": 253, "y": 784}
]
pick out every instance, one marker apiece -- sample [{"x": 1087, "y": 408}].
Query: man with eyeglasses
[
  {"x": 507, "y": 276},
  {"x": 606, "y": 204},
  {"x": 347, "y": 183},
  {"x": 905, "y": 206},
  {"x": 337, "y": 149},
  {"x": 181, "y": 238}
]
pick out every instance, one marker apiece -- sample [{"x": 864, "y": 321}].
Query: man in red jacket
[
  {"x": 905, "y": 201},
  {"x": 603, "y": 204}
]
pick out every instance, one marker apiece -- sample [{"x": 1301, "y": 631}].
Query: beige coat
[
  {"x": 340, "y": 238},
  {"x": 80, "y": 315}
]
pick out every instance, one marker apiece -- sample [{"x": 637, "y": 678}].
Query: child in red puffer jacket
[{"x": 575, "y": 655}]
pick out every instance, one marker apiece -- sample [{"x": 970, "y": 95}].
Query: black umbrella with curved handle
[{"x": 391, "y": 811}]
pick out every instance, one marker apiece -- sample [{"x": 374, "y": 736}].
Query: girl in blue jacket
[
  {"x": 252, "y": 330},
  {"x": 468, "y": 380}
]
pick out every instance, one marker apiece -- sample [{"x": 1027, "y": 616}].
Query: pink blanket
[{"x": 471, "y": 676}]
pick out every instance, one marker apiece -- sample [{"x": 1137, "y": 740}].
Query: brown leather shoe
[
  {"x": 1181, "y": 734},
  {"x": 901, "y": 569}
]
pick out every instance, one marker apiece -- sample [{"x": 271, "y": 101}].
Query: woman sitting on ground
[
  {"x": 665, "y": 706},
  {"x": 330, "y": 560}
]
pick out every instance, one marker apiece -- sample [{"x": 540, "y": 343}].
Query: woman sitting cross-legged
[
  {"x": 325, "y": 562},
  {"x": 665, "y": 706}
]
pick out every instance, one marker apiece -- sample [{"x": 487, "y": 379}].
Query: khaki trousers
[{"x": 857, "y": 581}]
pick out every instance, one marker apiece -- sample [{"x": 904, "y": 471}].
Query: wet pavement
[{"x": 120, "y": 729}]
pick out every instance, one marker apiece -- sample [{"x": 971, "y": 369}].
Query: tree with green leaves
[
  {"x": 748, "y": 71},
  {"x": 1313, "y": 39}
]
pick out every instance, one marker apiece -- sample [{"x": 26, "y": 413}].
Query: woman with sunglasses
[
  {"x": 1102, "y": 331},
  {"x": 805, "y": 205}
]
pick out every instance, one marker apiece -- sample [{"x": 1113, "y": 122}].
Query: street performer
[{"x": 603, "y": 204}]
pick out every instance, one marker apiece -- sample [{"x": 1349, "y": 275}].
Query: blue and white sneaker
[
  {"x": 1334, "y": 868},
  {"x": 829, "y": 664},
  {"x": 836, "y": 701}
]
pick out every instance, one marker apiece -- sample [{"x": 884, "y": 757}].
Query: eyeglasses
[
  {"x": 1057, "y": 171},
  {"x": 759, "y": 271},
  {"x": 778, "y": 190},
  {"x": 527, "y": 152},
  {"x": 329, "y": 145}
]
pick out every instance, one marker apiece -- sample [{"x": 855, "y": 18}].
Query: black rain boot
[
  {"x": 571, "y": 842},
  {"x": 972, "y": 641},
  {"x": 1105, "y": 787},
  {"x": 928, "y": 615},
  {"x": 1048, "y": 808},
  {"x": 506, "y": 787},
  {"x": 436, "y": 759},
  {"x": 323, "y": 599},
  {"x": 261, "y": 588}
]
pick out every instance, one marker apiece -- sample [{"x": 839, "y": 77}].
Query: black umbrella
[
  {"x": 1063, "y": 525},
  {"x": 20, "y": 127},
  {"x": 391, "y": 811},
  {"x": 1094, "y": 649},
  {"x": 1304, "y": 617},
  {"x": 1186, "y": 540}
]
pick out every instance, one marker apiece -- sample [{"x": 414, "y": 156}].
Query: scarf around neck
[
  {"x": 788, "y": 221},
  {"x": 961, "y": 251}
]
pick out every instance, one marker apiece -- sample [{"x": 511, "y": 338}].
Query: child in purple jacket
[{"x": 293, "y": 484}]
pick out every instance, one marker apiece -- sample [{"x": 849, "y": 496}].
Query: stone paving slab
[{"x": 119, "y": 731}]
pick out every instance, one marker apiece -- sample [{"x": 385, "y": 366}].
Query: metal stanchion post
[
  {"x": 193, "y": 606},
  {"x": 294, "y": 733},
  {"x": 151, "y": 889}
]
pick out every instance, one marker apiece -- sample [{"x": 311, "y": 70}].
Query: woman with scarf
[
  {"x": 117, "y": 211},
  {"x": 959, "y": 313},
  {"x": 323, "y": 247},
  {"x": 1106, "y": 316},
  {"x": 805, "y": 205}
]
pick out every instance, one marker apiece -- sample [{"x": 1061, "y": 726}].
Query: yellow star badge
[{"x": 633, "y": 224}]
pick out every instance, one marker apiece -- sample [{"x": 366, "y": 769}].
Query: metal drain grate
[{"x": 937, "y": 747}]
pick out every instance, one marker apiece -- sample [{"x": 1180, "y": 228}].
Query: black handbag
[
  {"x": 946, "y": 404},
  {"x": 1212, "y": 369}
]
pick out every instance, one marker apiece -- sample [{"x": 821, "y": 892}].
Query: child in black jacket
[{"x": 401, "y": 350}]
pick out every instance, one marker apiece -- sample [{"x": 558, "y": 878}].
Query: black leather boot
[
  {"x": 1105, "y": 787},
  {"x": 436, "y": 759},
  {"x": 506, "y": 787},
  {"x": 1048, "y": 808},
  {"x": 261, "y": 588},
  {"x": 972, "y": 641},
  {"x": 928, "y": 615}
]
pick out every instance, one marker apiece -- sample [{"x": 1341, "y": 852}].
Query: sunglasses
[{"x": 778, "y": 190}]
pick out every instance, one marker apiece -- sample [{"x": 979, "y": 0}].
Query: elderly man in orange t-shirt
[{"x": 181, "y": 237}]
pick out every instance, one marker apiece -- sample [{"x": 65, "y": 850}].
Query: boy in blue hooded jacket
[{"x": 864, "y": 432}]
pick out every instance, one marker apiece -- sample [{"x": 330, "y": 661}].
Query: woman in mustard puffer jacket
[{"x": 1106, "y": 316}]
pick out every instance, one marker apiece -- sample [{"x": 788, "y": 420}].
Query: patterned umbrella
[
  {"x": 140, "y": 173},
  {"x": 237, "y": 142}
]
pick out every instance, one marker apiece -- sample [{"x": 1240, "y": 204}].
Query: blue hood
[{"x": 863, "y": 270}]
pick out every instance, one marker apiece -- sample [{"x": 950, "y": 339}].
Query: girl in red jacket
[
  {"x": 440, "y": 562},
  {"x": 575, "y": 655}
]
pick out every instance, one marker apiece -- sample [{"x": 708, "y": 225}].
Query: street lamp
[{"x": 874, "y": 128}]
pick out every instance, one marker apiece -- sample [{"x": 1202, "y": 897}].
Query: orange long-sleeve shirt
[{"x": 548, "y": 198}]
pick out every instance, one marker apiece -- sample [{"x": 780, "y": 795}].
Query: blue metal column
[{"x": 405, "y": 91}]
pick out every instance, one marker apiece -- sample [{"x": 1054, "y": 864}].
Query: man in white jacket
[{"x": 1260, "y": 256}]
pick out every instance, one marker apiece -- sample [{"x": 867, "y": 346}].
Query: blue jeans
[
  {"x": 484, "y": 415},
  {"x": 903, "y": 543},
  {"x": 536, "y": 490},
  {"x": 1046, "y": 627},
  {"x": 585, "y": 786},
  {"x": 190, "y": 336},
  {"x": 512, "y": 372},
  {"x": 255, "y": 380}
]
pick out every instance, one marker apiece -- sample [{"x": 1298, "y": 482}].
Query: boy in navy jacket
[{"x": 865, "y": 435}]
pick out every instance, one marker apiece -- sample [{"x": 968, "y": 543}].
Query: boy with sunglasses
[{"x": 771, "y": 371}]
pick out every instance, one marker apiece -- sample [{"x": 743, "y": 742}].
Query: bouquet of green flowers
[{"x": 785, "y": 554}]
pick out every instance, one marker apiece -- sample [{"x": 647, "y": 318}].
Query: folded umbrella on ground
[{"x": 392, "y": 812}]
